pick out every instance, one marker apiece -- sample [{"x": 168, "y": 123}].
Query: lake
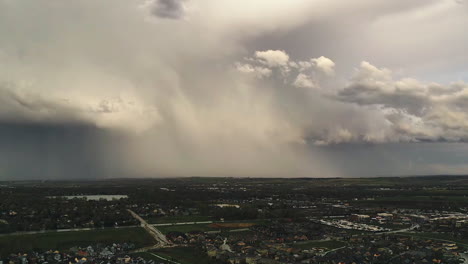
[{"x": 94, "y": 197}]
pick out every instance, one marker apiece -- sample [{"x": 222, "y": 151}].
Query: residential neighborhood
[{"x": 236, "y": 221}]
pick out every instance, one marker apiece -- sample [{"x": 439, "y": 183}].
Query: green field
[
  {"x": 185, "y": 228},
  {"x": 434, "y": 200},
  {"x": 330, "y": 244},
  {"x": 205, "y": 227},
  {"x": 65, "y": 240},
  {"x": 438, "y": 236},
  {"x": 185, "y": 255},
  {"x": 177, "y": 219}
]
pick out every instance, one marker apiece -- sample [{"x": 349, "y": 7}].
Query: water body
[{"x": 93, "y": 197}]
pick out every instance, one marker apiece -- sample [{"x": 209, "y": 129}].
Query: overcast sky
[{"x": 270, "y": 88}]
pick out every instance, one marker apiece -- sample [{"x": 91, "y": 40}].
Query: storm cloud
[
  {"x": 172, "y": 9},
  {"x": 230, "y": 88}
]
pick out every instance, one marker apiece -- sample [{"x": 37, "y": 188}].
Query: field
[
  {"x": 231, "y": 225},
  {"x": 185, "y": 255},
  {"x": 439, "y": 236},
  {"x": 205, "y": 227},
  {"x": 329, "y": 244},
  {"x": 178, "y": 219},
  {"x": 448, "y": 199},
  {"x": 186, "y": 228},
  {"x": 65, "y": 240}
]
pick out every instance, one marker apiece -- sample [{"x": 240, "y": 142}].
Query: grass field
[
  {"x": 438, "y": 236},
  {"x": 186, "y": 228},
  {"x": 418, "y": 201},
  {"x": 231, "y": 225},
  {"x": 177, "y": 219},
  {"x": 185, "y": 255},
  {"x": 330, "y": 244},
  {"x": 206, "y": 227},
  {"x": 65, "y": 240},
  {"x": 254, "y": 221}
]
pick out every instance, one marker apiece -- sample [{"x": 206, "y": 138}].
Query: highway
[
  {"x": 333, "y": 250},
  {"x": 183, "y": 223},
  {"x": 65, "y": 230},
  {"x": 161, "y": 240},
  {"x": 401, "y": 230},
  {"x": 100, "y": 228},
  {"x": 163, "y": 258},
  {"x": 154, "y": 225}
]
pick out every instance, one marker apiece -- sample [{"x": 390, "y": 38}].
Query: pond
[{"x": 93, "y": 197}]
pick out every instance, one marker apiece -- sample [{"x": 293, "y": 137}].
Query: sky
[{"x": 242, "y": 88}]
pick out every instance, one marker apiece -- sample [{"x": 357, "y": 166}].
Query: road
[
  {"x": 146, "y": 249},
  {"x": 160, "y": 238},
  {"x": 434, "y": 238},
  {"x": 64, "y": 230},
  {"x": 401, "y": 230},
  {"x": 163, "y": 224},
  {"x": 163, "y": 258},
  {"x": 377, "y": 233},
  {"x": 229, "y": 231},
  {"x": 336, "y": 249},
  {"x": 183, "y": 223},
  {"x": 98, "y": 228}
]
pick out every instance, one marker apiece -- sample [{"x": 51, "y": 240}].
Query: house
[
  {"x": 235, "y": 260},
  {"x": 252, "y": 259},
  {"x": 211, "y": 251},
  {"x": 106, "y": 253}
]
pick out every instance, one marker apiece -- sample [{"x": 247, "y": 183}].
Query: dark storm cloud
[
  {"x": 54, "y": 151},
  {"x": 25, "y": 107},
  {"x": 171, "y": 9},
  {"x": 399, "y": 158}
]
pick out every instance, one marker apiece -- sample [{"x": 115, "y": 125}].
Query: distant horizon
[{"x": 228, "y": 177}]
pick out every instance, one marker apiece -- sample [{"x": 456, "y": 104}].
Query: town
[{"x": 235, "y": 220}]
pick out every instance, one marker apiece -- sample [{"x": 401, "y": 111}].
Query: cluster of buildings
[
  {"x": 447, "y": 222},
  {"x": 155, "y": 210},
  {"x": 98, "y": 254},
  {"x": 62, "y": 213},
  {"x": 277, "y": 242},
  {"x": 353, "y": 225},
  {"x": 357, "y": 250},
  {"x": 394, "y": 249}
]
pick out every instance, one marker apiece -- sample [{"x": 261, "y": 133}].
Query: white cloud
[
  {"x": 127, "y": 114},
  {"x": 303, "y": 81},
  {"x": 416, "y": 110},
  {"x": 273, "y": 58},
  {"x": 259, "y": 72},
  {"x": 325, "y": 65},
  {"x": 276, "y": 64}
]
